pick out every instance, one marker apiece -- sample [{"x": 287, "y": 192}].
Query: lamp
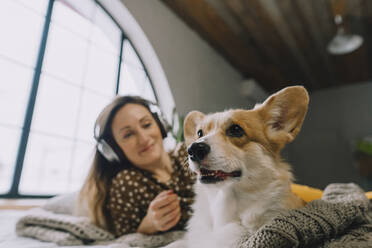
[{"x": 343, "y": 42}]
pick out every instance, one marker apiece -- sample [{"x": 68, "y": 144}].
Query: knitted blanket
[
  {"x": 342, "y": 218},
  {"x": 55, "y": 223}
]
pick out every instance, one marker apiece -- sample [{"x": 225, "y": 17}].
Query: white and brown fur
[{"x": 223, "y": 211}]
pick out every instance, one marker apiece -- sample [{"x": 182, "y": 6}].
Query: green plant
[{"x": 365, "y": 146}]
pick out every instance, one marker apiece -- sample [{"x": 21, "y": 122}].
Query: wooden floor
[{"x": 21, "y": 204}]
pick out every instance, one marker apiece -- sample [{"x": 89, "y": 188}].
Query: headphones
[{"x": 103, "y": 147}]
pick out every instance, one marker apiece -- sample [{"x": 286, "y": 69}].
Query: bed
[
  {"x": 341, "y": 218},
  {"x": 8, "y": 236}
]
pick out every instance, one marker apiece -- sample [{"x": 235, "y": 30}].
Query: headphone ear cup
[{"x": 106, "y": 151}]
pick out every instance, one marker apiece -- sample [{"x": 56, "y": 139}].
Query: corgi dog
[{"x": 242, "y": 181}]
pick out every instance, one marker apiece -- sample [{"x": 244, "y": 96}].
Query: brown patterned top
[{"x": 132, "y": 191}]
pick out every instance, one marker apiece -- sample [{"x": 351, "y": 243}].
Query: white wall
[
  {"x": 322, "y": 153},
  {"x": 198, "y": 76}
]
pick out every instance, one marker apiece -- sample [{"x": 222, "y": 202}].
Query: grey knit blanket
[
  {"x": 55, "y": 223},
  {"x": 342, "y": 218}
]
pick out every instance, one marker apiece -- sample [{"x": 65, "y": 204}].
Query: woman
[{"x": 134, "y": 185}]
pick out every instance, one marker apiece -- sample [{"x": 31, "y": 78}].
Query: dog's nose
[{"x": 198, "y": 151}]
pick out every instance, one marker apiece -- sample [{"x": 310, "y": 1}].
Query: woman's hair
[{"x": 94, "y": 193}]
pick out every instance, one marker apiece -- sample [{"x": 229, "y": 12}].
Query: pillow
[{"x": 308, "y": 194}]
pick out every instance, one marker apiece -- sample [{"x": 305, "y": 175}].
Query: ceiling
[{"x": 283, "y": 42}]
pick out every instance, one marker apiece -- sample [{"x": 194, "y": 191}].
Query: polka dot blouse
[{"x": 132, "y": 191}]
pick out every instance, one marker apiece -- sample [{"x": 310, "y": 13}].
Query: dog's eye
[
  {"x": 235, "y": 131},
  {"x": 200, "y": 133}
]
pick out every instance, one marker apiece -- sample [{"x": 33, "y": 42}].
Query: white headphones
[
  {"x": 105, "y": 149},
  {"x": 102, "y": 145}
]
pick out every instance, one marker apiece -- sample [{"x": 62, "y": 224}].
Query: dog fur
[{"x": 234, "y": 205}]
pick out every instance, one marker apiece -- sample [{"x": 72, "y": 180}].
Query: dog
[{"x": 242, "y": 182}]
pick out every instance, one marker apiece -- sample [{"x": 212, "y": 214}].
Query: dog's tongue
[
  {"x": 210, "y": 176},
  {"x": 222, "y": 174}
]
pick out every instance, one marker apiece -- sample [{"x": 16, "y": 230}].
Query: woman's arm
[
  {"x": 146, "y": 226},
  {"x": 163, "y": 213}
]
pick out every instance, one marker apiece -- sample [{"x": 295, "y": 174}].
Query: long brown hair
[{"x": 95, "y": 191}]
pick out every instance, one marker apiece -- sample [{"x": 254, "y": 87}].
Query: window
[
  {"x": 135, "y": 80},
  {"x": 75, "y": 60}
]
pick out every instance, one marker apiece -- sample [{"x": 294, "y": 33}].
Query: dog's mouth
[{"x": 214, "y": 176}]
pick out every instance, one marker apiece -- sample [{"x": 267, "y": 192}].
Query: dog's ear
[
  {"x": 284, "y": 113},
  {"x": 189, "y": 125}
]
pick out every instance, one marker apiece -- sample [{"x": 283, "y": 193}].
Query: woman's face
[{"x": 138, "y": 135}]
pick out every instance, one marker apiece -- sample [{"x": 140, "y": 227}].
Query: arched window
[{"x": 61, "y": 62}]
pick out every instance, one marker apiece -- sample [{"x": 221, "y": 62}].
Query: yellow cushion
[
  {"x": 308, "y": 194},
  {"x": 369, "y": 194}
]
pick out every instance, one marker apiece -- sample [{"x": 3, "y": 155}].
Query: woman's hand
[{"x": 163, "y": 213}]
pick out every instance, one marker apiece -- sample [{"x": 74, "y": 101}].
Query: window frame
[{"x": 13, "y": 191}]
